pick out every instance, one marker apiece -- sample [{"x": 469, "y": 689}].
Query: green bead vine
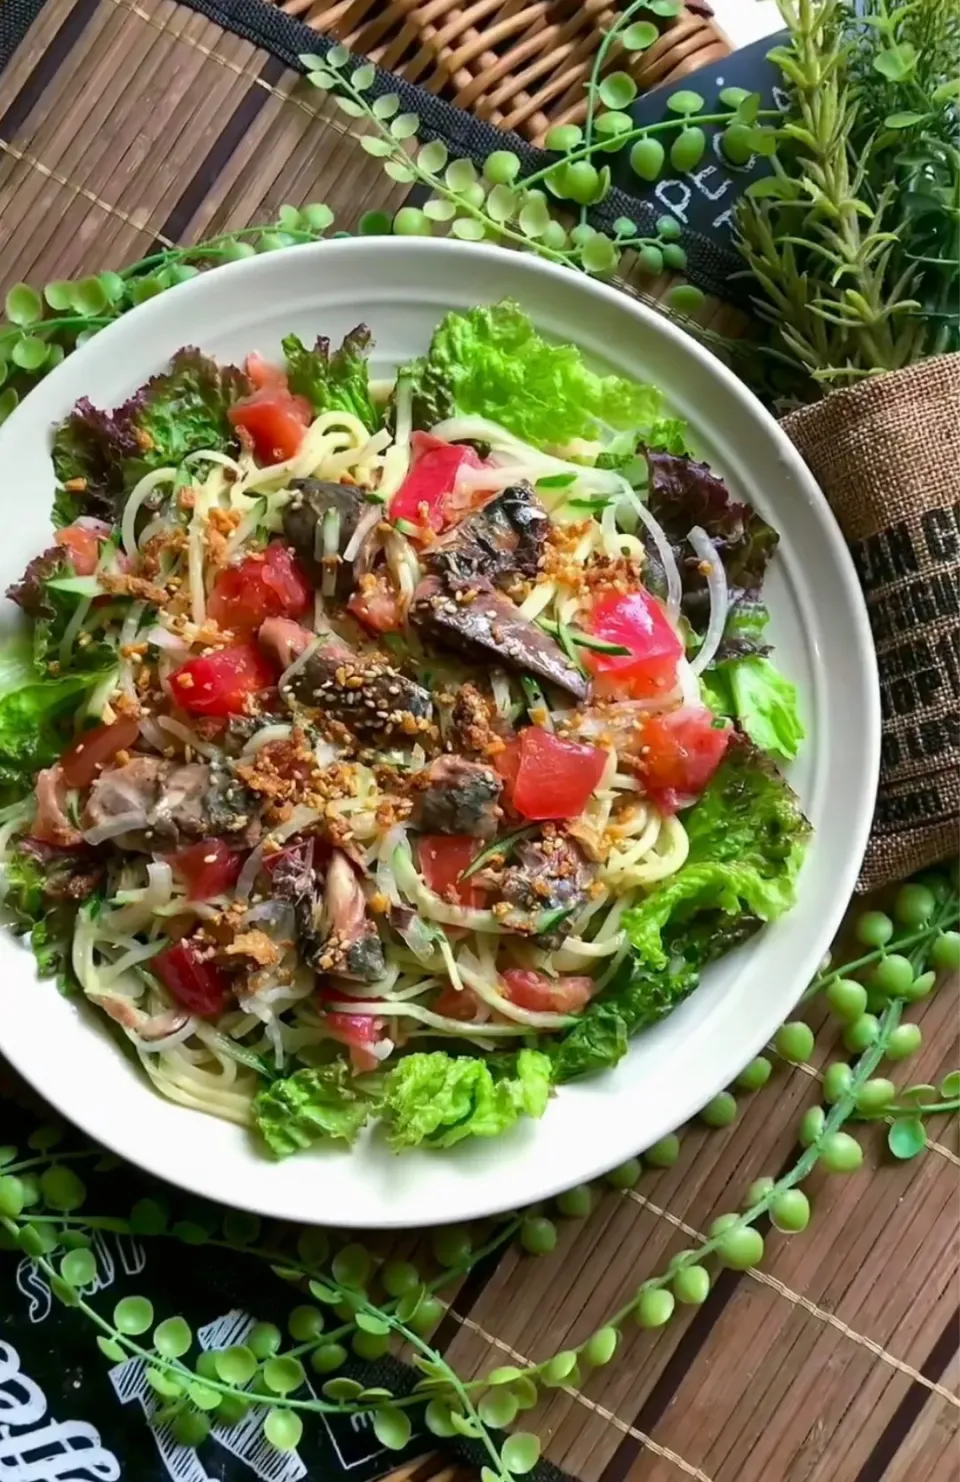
[{"x": 349, "y": 1300}]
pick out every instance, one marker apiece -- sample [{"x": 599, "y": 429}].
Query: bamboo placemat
[{"x": 127, "y": 123}]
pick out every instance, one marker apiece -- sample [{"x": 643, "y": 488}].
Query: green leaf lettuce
[
  {"x": 437, "y": 1099},
  {"x": 765, "y": 704},
  {"x": 317, "y": 1103},
  {"x": 491, "y": 362},
  {"x": 337, "y": 382}
]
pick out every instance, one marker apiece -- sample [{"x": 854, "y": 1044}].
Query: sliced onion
[
  {"x": 264, "y": 737},
  {"x": 171, "y": 643},
  {"x": 187, "y": 736},
  {"x": 664, "y": 551},
  {"x": 195, "y": 543},
  {"x": 140, "y": 492},
  {"x": 122, "y": 823},
  {"x": 151, "y": 733},
  {"x": 689, "y": 683},
  {"x": 169, "y": 1041},
  {"x": 719, "y": 597},
  {"x": 502, "y": 697},
  {"x": 365, "y": 524},
  {"x": 299, "y": 663}
]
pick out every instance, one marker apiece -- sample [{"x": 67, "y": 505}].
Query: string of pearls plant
[{"x": 351, "y": 1301}]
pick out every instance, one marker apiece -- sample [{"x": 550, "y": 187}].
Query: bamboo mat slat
[{"x": 130, "y": 123}]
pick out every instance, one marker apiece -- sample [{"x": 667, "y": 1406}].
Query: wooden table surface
[{"x": 130, "y": 123}]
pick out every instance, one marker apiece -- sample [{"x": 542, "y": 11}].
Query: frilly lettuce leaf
[
  {"x": 317, "y": 1103},
  {"x": 437, "y": 1099},
  {"x": 181, "y": 411},
  {"x": 491, "y": 362},
  {"x": 337, "y": 382},
  {"x": 753, "y": 692},
  {"x": 43, "y": 888},
  {"x": 36, "y": 723}
]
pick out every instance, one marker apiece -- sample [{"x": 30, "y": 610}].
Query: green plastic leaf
[
  {"x": 400, "y": 172},
  {"x": 148, "y": 1217},
  {"x": 324, "y": 1293},
  {"x": 163, "y": 1383},
  {"x": 905, "y": 120},
  {"x": 560, "y": 1367},
  {"x": 534, "y": 217},
  {"x": 379, "y": 148},
  {"x": 599, "y": 255},
  {"x": 917, "y": 1095},
  {"x": 323, "y": 79},
  {"x": 283, "y": 1429},
  {"x": 501, "y": 203},
  {"x": 264, "y": 1338},
  {"x": 188, "y": 1230},
  {"x": 520, "y": 1453},
  {"x": 61, "y": 1188},
  {"x": 172, "y": 1337},
  {"x": 289, "y": 217},
  {"x": 88, "y": 296},
  {"x": 433, "y": 157},
  {"x": 236, "y": 1365},
  {"x": 338, "y": 56},
  {"x": 317, "y": 216},
  {"x": 386, "y": 106},
  {"x": 685, "y": 101},
  {"x": 283, "y": 1375},
  {"x": 64, "y": 1291},
  {"x": 437, "y": 1419},
  {"x": 950, "y": 1085},
  {"x": 437, "y": 209},
  {"x": 498, "y": 1408},
  {"x": 405, "y": 125},
  {"x": 352, "y": 1265},
  {"x": 371, "y": 1322},
  {"x": 11, "y": 1196},
  {"x": 946, "y": 91},
  {"x": 897, "y": 62},
  {"x": 342, "y": 1389},
  {"x": 907, "y": 1137},
  {"x": 23, "y": 304},
  {"x": 363, "y": 77},
  {"x": 237, "y": 251},
  {"x": 111, "y": 1349},
  {"x": 618, "y": 90},
  {"x": 348, "y": 106},
  {"x": 203, "y": 1396},
  {"x": 748, "y": 108},
  {"x": 58, "y": 294},
  {"x": 9, "y": 401},
  {"x": 664, "y": 7},
  {"x": 468, "y": 229},
  {"x": 113, "y": 286},
  {"x": 639, "y": 36},
  {"x": 732, "y": 97},
  {"x": 189, "y": 1428},
  {"x": 313, "y": 1246},
  {"x": 391, "y": 1427},
  {"x": 8, "y": 1154},
  {"x": 685, "y": 298},
  {"x": 79, "y": 1267},
  {"x": 460, "y": 173},
  {"x": 464, "y": 1425},
  {"x": 525, "y": 1392},
  {"x": 240, "y": 1228}
]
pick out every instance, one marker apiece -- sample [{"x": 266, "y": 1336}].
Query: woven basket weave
[{"x": 519, "y": 64}]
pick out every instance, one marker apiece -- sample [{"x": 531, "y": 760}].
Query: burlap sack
[{"x": 886, "y": 453}]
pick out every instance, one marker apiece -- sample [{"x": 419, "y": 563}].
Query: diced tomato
[
  {"x": 376, "y": 605},
  {"x": 454, "y": 1003},
  {"x": 269, "y": 585},
  {"x": 207, "y": 868},
  {"x": 443, "y": 858},
  {"x": 424, "y": 496},
  {"x": 555, "y": 778},
  {"x": 680, "y": 752},
  {"x": 261, "y": 373},
  {"x": 82, "y": 761},
  {"x": 222, "y": 682},
  {"x": 199, "y": 987},
  {"x": 274, "y": 418},
  {"x": 635, "y": 621},
  {"x": 359, "y": 1032},
  {"x": 533, "y": 990},
  {"x": 507, "y": 763},
  {"x": 82, "y": 546}
]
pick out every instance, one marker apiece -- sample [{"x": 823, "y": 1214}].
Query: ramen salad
[{"x": 391, "y": 752}]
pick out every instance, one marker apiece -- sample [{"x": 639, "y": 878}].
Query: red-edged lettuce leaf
[
  {"x": 100, "y": 455},
  {"x": 684, "y": 493}
]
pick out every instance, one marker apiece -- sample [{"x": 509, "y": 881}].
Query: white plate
[{"x": 401, "y": 288}]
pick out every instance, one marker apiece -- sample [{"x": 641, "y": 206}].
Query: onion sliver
[{"x": 719, "y": 597}]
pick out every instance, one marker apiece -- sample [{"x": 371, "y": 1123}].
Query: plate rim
[{"x": 373, "y": 248}]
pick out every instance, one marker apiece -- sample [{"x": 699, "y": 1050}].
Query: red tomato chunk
[
  {"x": 82, "y": 762},
  {"x": 680, "y": 753},
  {"x": 443, "y": 859},
  {"x": 637, "y": 622},
  {"x": 274, "y": 419},
  {"x": 221, "y": 683},
  {"x": 260, "y": 587},
  {"x": 426, "y": 496},
  {"x": 533, "y": 990},
  {"x": 199, "y": 987},
  {"x": 207, "y": 868},
  {"x": 553, "y": 778}
]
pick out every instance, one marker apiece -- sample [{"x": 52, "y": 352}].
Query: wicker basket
[{"x": 519, "y": 64}]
